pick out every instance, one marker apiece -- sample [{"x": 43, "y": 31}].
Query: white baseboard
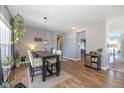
[
  {"x": 78, "y": 59},
  {"x": 69, "y": 58},
  {"x": 73, "y": 59},
  {"x": 105, "y": 68}
]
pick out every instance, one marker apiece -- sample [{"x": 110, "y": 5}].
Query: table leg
[
  {"x": 58, "y": 66},
  {"x": 44, "y": 70}
]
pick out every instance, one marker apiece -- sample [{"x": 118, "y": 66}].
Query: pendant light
[{"x": 45, "y": 41}]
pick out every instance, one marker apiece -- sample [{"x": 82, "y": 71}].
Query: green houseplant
[
  {"x": 99, "y": 50},
  {"x": 17, "y": 27},
  {"x": 7, "y": 62}
]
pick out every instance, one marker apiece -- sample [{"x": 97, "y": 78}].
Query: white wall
[
  {"x": 96, "y": 38},
  {"x": 117, "y": 24},
  {"x": 70, "y": 45},
  {"x": 28, "y": 39}
]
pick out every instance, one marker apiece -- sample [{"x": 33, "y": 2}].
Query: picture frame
[{"x": 37, "y": 39}]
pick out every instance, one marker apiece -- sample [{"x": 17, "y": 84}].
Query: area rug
[{"x": 50, "y": 82}]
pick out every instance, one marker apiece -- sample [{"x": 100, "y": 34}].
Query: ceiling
[{"x": 63, "y": 17}]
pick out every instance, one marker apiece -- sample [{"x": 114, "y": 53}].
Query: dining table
[{"x": 46, "y": 72}]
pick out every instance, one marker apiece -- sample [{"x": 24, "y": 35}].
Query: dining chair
[
  {"x": 35, "y": 65},
  {"x": 59, "y": 52},
  {"x": 53, "y": 51},
  {"x": 52, "y": 61}
]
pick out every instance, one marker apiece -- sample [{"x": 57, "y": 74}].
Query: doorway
[
  {"x": 81, "y": 42},
  {"x": 114, "y": 47},
  {"x": 60, "y": 43}
]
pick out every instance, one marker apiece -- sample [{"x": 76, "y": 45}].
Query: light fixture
[
  {"x": 32, "y": 47},
  {"x": 74, "y": 27},
  {"x": 17, "y": 38},
  {"x": 45, "y": 41},
  {"x": 44, "y": 49}
]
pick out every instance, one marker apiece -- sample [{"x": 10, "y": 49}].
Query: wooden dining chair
[
  {"x": 35, "y": 65},
  {"x": 52, "y": 61},
  {"x": 59, "y": 52},
  {"x": 53, "y": 51}
]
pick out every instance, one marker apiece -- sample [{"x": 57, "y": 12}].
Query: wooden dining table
[{"x": 47, "y": 55}]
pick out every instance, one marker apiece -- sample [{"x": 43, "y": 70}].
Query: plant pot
[
  {"x": 6, "y": 67},
  {"x": 18, "y": 65},
  {"x": 100, "y": 53},
  {"x": 23, "y": 58}
]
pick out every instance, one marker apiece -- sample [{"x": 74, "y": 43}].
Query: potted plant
[
  {"x": 17, "y": 27},
  {"x": 99, "y": 50},
  {"x": 7, "y": 62}
]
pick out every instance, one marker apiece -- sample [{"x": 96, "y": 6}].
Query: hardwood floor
[{"x": 82, "y": 77}]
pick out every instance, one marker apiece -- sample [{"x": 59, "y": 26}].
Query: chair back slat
[{"x": 30, "y": 57}]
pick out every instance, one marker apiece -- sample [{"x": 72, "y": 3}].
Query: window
[
  {"x": 5, "y": 45},
  {"x": 5, "y": 39}
]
